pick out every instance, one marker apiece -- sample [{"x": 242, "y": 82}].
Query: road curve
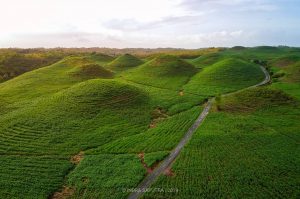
[{"x": 148, "y": 181}]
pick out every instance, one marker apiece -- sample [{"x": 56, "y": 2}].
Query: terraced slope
[
  {"x": 164, "y": 71},
  {"x": 225, "y": 76}
]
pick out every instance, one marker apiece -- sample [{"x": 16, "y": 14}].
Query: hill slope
[
  {"x": 89, "y": 71},
  {"x": 225, "y": 76},
  {"x": 207, "y": 59},
  {"x": 40, "y": 83},
  {"x": 164, "y": 71},
  {"x": 13, "y": 64},
  {"x": 45, "y": 135},
  {"x": 124, "y": 62}
]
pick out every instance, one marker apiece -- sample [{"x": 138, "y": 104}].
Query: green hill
[
  {"x": 40, "y": 83},
  {"x": 285, "y": 60},
  {"x": 207, "y": 59},
  {"x": 124, "y": 62},
  {"x": 166, "y": 71},
  {"x": 225, "y": 76},
  {"x": 292, "y": 73},
  {"x": 250, "y": 100},
  {"x": 39, "y": 140},
  {"x": 76, "y": 129},
  {"x": 89, "y": 71},
  {"x": 100, "y": 58},
  {"x": 13, "y": 64}
]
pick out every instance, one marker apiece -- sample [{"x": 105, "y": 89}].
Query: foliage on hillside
[
  {"x": 75, "y": 126},
  {"x": 225, "y": 76},
  {"x": 165, "y": 71},
  {"x": 13, "y": 64},
  {"x": 124, "y": 62}
]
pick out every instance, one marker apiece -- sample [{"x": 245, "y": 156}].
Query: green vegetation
[
  {"x": 225, "y": 76},
  {"x": 91, "y": 71},
  {"x": 124, "y": 62},
  {"x": 14, "y": 63},
  {"x": 84, "y": 124},
  {"x": 238, "y": 154},
  {"x": 106, "y": 176},
  {"x": 164, "y": 71},
  {"x": 207, "y": 59}
]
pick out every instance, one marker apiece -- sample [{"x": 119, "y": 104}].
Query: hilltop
[
  {"x": 124, "y": 62},
  {"x": 166, "y": 71}
]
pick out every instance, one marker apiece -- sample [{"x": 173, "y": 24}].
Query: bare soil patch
[
  {"x": 77, "y": 158},
  {"x": 66, "y": 192},
  {"x": 169, "y": 172},
  {"x": 157, "y": 115}
]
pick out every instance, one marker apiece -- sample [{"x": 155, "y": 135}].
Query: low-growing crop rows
[
  {"x": 92, "y": 126},
  {"x": 240, "y": 154}
]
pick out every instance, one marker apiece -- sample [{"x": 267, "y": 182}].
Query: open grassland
[{"x": 93, "y": 125}]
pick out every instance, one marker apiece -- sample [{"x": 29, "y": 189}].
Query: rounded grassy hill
[
  {"x": 225, "y": 76},
  {"x": 166, "y": 71},
  {"x": 90, "y": 71},
  {"x": 124, "y": 62}
]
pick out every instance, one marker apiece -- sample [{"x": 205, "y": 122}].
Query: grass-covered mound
[
  {"x": 124, "y": 62},
  {"x": 207, "y": 59},
  {"x": 98, "y": 94},
  {"x": 287, "y": 73},
  {"x": 90, "y": 71},
  {"x": 166, "y": 71},
  {"x": 225, "y": 76},
  {"x": 292, "y": 73},
  {"x": 100, "y": 58},
  {"x": 285, "y": 60},
  {"x": 255, "y": 98},
  {"x": 42, "y": 82},
  {"x": 46, "y": 134}
]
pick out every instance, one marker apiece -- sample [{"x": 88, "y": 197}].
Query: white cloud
[{"x": 135, "y": 23}]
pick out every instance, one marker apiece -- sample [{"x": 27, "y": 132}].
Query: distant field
[{"x": 82, "y": 123}]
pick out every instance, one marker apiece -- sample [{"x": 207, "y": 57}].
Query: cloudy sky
[{"x": 149, "y": 23}]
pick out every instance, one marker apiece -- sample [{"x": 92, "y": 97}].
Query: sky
[{"x": 148, "y": 23}]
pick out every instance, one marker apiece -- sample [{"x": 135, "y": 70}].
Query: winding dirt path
[{"x": 167, "y": 162}]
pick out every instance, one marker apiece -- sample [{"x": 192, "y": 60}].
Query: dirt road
[{"x": 167, "y": 162}]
